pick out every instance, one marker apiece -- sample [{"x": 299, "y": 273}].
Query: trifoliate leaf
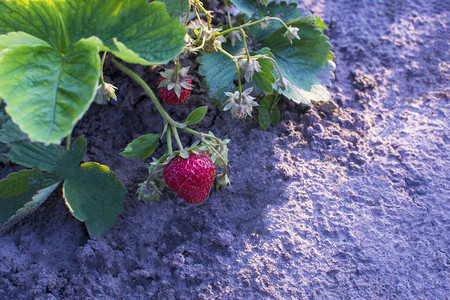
[{"x": 95, "y": 196}]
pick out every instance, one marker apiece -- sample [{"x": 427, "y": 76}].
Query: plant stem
[
  {"x": 187, "y": 16},
  {"x": 177, "y": 137},
  {"x": 169, "y": 142},
  {"x": 244, "y": 40},
  {"x": 228, "y": 13},
  {"x": 149, "y": 91},
  {"x": 101, "y": 67},
  {"x": 276, "y": 65},
  {"x": 253, "y": 23}
]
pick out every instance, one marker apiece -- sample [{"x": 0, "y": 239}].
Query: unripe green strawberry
[
  {"x": 175, "y": 87},
  {"x": 191, "y": 178}
]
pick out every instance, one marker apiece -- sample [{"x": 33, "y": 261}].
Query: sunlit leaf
[
  {"x": 47, "y": 93},
  {"x": 306, "y": 63}
]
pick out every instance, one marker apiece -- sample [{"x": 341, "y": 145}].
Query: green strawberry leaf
[
  {"x": 134, "y": 31},
  {"x": 37, "y": 18},
  {"x": 196, "y": 116},
  {"x": 95, "y": 196},
  {"x": 306, "y": 63},
  {"x": 268, "y": 112},
  {"x": 18, "y": 188},
  {"x": 29, "y": 207},
  {"x": 47, "y": 93},
  {"x": 142, "y": 147},
  {"x": 176, "y": 8},
  {"x": 285, "y": 11},
  {"x": 219, "y": 72},
  {"x": 20, "y": 39},
  {"x": 248, "y": 7}
]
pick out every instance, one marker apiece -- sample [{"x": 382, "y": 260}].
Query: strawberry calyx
[{"x": 176, "y": 80}]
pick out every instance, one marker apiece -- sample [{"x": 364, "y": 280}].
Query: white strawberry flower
[
  {"x": 292, "y": 33},
  {"x": 249, "y": 66},
  {"x": 240, "y": 107}
]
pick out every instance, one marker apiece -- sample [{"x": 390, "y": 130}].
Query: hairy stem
[
  {"x": 149, "y": 92},
  {"x": 177, "y": 137},
  {"x": 228, "y": 14},
  {"x": 101, "y": 68},
  {"x": 169, "y": 142}
]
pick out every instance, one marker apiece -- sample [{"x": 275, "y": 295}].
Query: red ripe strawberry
[
  {"x": 175, "y": 86},
  {"x": 191, "y": 178}
]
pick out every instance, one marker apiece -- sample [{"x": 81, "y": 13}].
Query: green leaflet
[
  {"x": 196, "y": 116},
  {"x": 47, "y": 93},
  {"x": 95, "y": 196},
  {"x": 268, "y": 112},
  {"x": 142, "y": 147},
  {"x": 264, "y": 79},
  {"x": 306, "y": 63},
  {"x": 18, "y": 188}
]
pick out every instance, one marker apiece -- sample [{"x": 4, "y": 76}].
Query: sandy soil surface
[{"x": 346, "y": 200}]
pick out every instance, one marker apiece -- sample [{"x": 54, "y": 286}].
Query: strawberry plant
[
  {"x": 51, "y": 72},
  {"x": 49, "y": 76}
]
